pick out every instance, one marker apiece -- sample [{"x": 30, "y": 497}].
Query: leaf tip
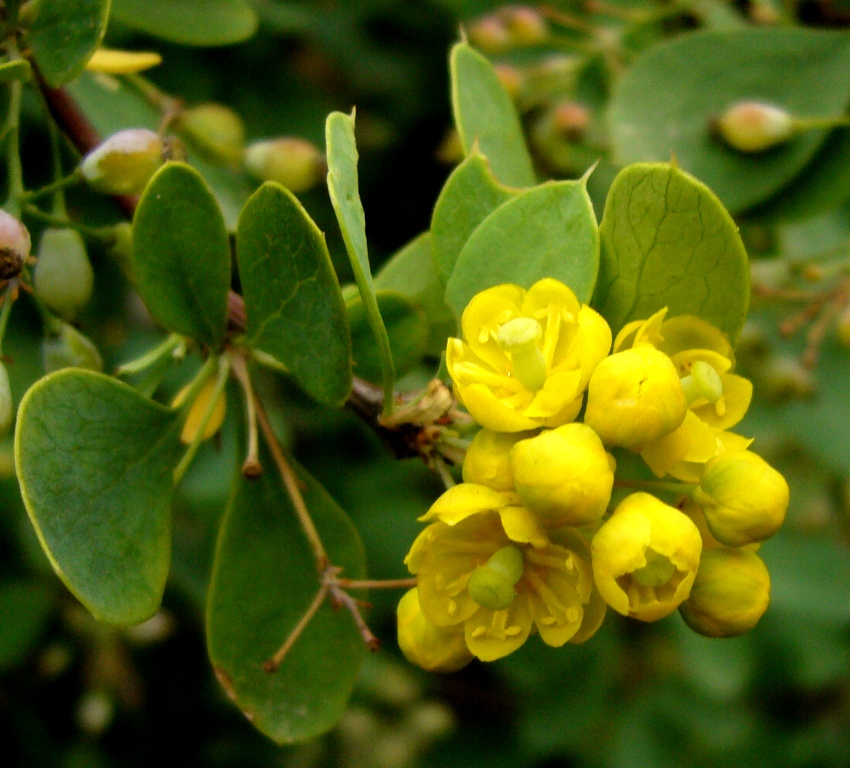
[{"x": 587, "y": 174}]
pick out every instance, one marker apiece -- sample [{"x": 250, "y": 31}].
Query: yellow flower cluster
[{"x": 526, "y": 543}]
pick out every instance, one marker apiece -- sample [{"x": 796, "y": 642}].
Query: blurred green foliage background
[{"x": 77, "y": 695}]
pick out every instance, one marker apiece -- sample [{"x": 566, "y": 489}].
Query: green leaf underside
[
  {"x": 547, "y": 231},
  {"x": 667, "y": 241},
  {"x": 292, "y": 297},
  {"x": 65, "y": 35},
  {"x": 95, "y": 459},
  {"x": 407, "y": 328},
  {"x": 181, "y": 254},
  {"x": 485, "y": 115},
  {"x": 189, "y": 22},
  {"x": 411, "y": 272},
  {"x": 681, "y": 85},
  {"x": 264, "y": 579},
  {"x": 468, "y": 197}
]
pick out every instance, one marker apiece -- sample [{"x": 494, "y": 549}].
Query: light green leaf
[
  {"x": 345, "y": 196},
  {"x": 189, "y": 22},
  {"x": 666, "y": 101},
  {"x": 667, "y": 241},
  {"x": 468, "y": 197},
  {"x": 485, "y": 116},
  {"x": 264, "y": 579},
  {"x": 19, "y": 69},
  {"x": 547, "y": 231},
  {"x": 292, "y": 297},
  {"x": 64, "y": 36},
  {"x": 411, "y": 272},
  {"x": 25, "y": 608},
  {"x": 407, "y": 328},
  {"x": 181, "y": 254},
  {"x": 94, "y": 459}
]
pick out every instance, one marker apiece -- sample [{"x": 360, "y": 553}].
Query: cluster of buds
[
  {"x": 527, "y": 543},
  {"x": 508, "y": 28}
]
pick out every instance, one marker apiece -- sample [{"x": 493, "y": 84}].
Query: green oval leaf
[
  {"x": 95, "y": 459},
  {"x": 411, "y": 272},
  {"x": 189, "y": 22},
  {"x": 468, "y": 197},
  {"x": 64, "y": 36},
  {"x": 485, "y": 116},
  {"x": 181, "y": 254},
  {"x": 407, "y": 328},
  {"x": 264, "y": 579},
  {"x": 667, "y": 241},
  {"x": 292, "y": 294},
  {"x": 547, "y": 231},
  {"x": 665, "y": 102}
]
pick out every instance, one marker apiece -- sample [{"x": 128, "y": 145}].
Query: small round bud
[
  {"x": 490, "y": 35},
  {"x": 487, "y": 459},
  {"x": 571, "y": 120},
  {"x": 730, "y": 594},
  {"x": 216, "y": 129},
  {"x": 295, "y": 163},
  {"x": 751, "y": 126},
  {"x": 492, "y": 585},
  {"x": 511, "y": 79},
  {"x": 430, "y": 647},
  {"x": 526, "y": 26},
  {"x": 743, "y": 498},
  {"x": 7, "y": 410},
  {"x": 14, "y": 246},
  {"x": 199, "y": 409},
  {"x": 564, "y": 475},
  {"x": 782, "y": 378},
  {"x": 64, "y": 278},
  {"x": 68, "y": 348},
  {"x": 124, "y": 163}
]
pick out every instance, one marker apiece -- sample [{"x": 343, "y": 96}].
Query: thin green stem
[
  {"x": 8, "y": 299},
  {"x": 161, "y": 350},
  {"x": 218, "y": 392},
  {"x": 12, "y": 132},
  {"x": 105, "y": 235},
  {"x": 373, "y": 315},
  {"x": 682, "y": 489},
  {"x": 59, "y": 208},
  {"x": 51, "y": 189}
]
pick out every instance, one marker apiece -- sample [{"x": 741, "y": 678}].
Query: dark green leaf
[
  {"x": 189, "y": 22},
  {"x": 292, "y": 297},
  {"x": 667, "y": 241},
  {"x": 411, "y": 272},
  {"x": 665, "y": 103},
  {"x": 485, "y": 116},
  {"x": 15, "y": 70},
  {"x": 407, "y": 327},
  {"x": 468, "y": 197},
  {"x": 25, "y": 608},
  {"x": 95, "y": 461},
  {"x": 64, "y": 36},
  {"x": 264, "y": 579},
  {"x": 547, "y": 231},
  {"x": 181, "y": 254}
]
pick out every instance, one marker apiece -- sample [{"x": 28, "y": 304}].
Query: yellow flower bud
[
  {"x": 14, "y": 246},
  {"x": 217, "y": 129},
  {"x": 114, "y": 62},
  {"x": 744, "y": 499},
  {"x": 526, "y": 356},
  {"x": 645, "y": 557},
  {"x": 487, "y": 459},
  {"x": 729, "y": 595},
  {"x": 526, "y": 26},
  {"x": 635, "y": 397},
  {"x": 295, "y": 163},
  {"x": 490, "y": 35},
  {"x": 423, "y": 644},
  {"x": 198, "y": 409},
  {"x": 752, "y": 126},
  {"x": 564, "y": 475},
  {"x": 123, "y": 164}
]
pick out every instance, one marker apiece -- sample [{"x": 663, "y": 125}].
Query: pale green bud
[
  {"x": 123, "y": 164},
  {"x": 752, "y": 126},
  {"x": 69, "y": 349},
  {"x": 14, "y": 246},
  {"x": 216, "y": 129},
  {"x": 729, "y": 595},
  {"x": 295, "y": 163},
  {"x": 64, "y": 279},
  {"x": 492, "y": 585}
]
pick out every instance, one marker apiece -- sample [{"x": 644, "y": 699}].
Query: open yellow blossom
[
  {"x": 564, "y": 475},
  {"x": 526, "y": 356},
  {"x": 487, "y": 566},
  {"x": 433, "y": 649},
  {"x": 645, "y": 557},
  {"x": 743, "y": 498},
  {"x": 729, "y": 595}
]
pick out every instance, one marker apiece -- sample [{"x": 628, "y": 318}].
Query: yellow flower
[
  {"x": 487, "y": 459},
  {"x": 635, "y": 397},
  {"x": 198, "y": 409},
  {"x": 645, "y": 557},
  {"x": 433, "y": 649},
  {"x": 487, "y": 566},
  {"x": 527, "y": 356},
  {"x": 564, "y": 476},
  {"x": 744, "y": 499},
  {"x": 729, "y": 595}
]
